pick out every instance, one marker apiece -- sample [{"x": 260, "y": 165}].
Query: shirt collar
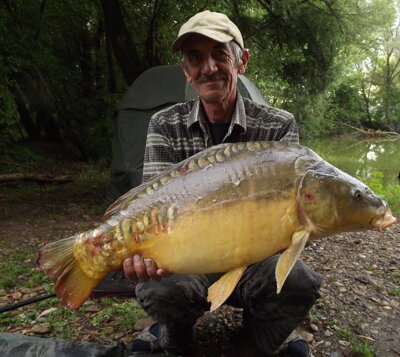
[{"x": 197, "y": 115}]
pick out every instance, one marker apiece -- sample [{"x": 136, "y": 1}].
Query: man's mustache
[{"x": 212, "y": 78}]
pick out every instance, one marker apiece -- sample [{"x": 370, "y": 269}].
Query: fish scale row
[
  {"x": 198, "y": 162},
  {"x": 124, "y": 238}
]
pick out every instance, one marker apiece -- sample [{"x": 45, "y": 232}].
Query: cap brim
[{"x": 217, "y": 36}]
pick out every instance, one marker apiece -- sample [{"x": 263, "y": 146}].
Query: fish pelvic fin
[
  {"x": 289, "y": 257},
  {"x": 73, "y": 286},
  {"x": 223, "y": 287}
]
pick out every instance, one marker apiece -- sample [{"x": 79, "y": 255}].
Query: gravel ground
[{"x": 358, "y": 313}]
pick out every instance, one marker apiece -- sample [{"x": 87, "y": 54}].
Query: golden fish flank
[{"x": 187, "y": 225}]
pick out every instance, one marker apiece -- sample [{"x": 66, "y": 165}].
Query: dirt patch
[{"x": 357, "y": 315}]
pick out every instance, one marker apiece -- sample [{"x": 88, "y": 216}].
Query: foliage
[
  {"x": 327, "y": 62},
  {"x": 52, "y": 64},
  {"x": 370, "y": 65},
  {"x": 20, "y": 158},
  {"x": 389, "y": 192}
]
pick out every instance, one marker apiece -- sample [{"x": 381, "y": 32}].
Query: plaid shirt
[{"x": 181, "y": 131}]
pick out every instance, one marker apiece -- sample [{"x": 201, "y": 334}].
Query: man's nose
[{"x": 209, "y": 66}]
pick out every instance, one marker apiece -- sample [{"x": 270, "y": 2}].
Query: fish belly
[{"x": 222, "y": 237}]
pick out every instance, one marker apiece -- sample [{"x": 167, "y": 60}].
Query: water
[{"x": 361, "y": 157}]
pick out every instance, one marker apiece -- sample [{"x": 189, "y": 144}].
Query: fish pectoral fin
[
  {"x": 289, "y": 257},
  {"x": 223, "y": 287}
]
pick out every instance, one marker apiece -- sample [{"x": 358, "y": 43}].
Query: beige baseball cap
[{"x": 211, "y": 24}]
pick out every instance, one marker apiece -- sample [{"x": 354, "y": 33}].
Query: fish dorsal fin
[
  {"x": 199, "y": 161},
  {"x": 223, "y": 287},
  {"x": 289, "y": 257},
  {"x": 193, "y": 163},
  {"x": 129, "y": 196}
]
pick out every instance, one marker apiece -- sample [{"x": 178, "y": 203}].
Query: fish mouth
[{"x": 384, "y": 221}]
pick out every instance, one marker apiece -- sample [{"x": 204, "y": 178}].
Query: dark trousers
[{"x": 178, "y": 301}]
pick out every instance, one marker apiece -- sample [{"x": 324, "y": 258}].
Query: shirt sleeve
[
  {"x": 159, "y": 153},
  {"x": 290, "y": 131}
]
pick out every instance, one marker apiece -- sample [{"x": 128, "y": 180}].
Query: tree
[
  {"x": 391, "y": 71},
  {"x": 125, "y": 50},
  {"x": 64, "y": 64}
]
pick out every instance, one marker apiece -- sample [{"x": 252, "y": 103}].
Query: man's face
[{"x": 211, "y": 68}]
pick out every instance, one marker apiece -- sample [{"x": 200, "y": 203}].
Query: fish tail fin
[
  {"x": 73, "y": 286},
  {"x": 54, "y": 257}
]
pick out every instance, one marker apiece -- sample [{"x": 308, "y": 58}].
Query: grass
[
  {"x": 389, "y": 192},
  {"x": 314, "y": 316},
  {"x": 114, "y": 315},
  {"x": 369, "y": 267},
  {"x": 394, "y": 276},
  {"x": 363, "y": 350},
  {"x": 124, "y": 314},
  {"x": 15, "y": 269},
  {"x": 37, "y": 213},
  {"x": 359, "y": 345},
  {"x": 331, "y": 279}
]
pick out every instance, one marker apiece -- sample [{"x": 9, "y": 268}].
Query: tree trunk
[
  {"x": 124, "y": 49},
  {"x": 388, "y": 100},
  {"x": 86, "y": 64},
  {"x": 34, "y": 177},
  {"x": 112, "y": 82},
  {"x": 152, "y": 56},
  {"x": 39, "y": 104},
  {"x": 31, "y": 128},
  {"x": 367, "y": 102}
]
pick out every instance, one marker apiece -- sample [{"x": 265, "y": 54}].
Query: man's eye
[
  {"x": 194, "y": 57},
  {"x": 222, "y": 54}
]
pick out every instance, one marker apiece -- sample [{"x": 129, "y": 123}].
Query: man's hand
[{"x": 139, "y": 269}]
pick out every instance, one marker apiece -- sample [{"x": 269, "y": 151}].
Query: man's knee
[
  {"x": 302, "y": 281},
  {"x": 174, "y": 297}
]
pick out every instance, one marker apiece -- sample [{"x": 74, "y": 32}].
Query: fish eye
[{"x": 357, "y": 195}]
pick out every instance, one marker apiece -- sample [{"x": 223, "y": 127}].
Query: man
[{"x": 213, "y": 57}]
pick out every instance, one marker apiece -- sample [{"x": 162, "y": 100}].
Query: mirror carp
[{"x": 220, "y": 210}]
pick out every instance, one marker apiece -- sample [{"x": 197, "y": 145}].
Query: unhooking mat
[{"x": 16, "y": 345}]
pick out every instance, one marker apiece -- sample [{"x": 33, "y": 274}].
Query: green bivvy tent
[{"x": 153, "y": 90}]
